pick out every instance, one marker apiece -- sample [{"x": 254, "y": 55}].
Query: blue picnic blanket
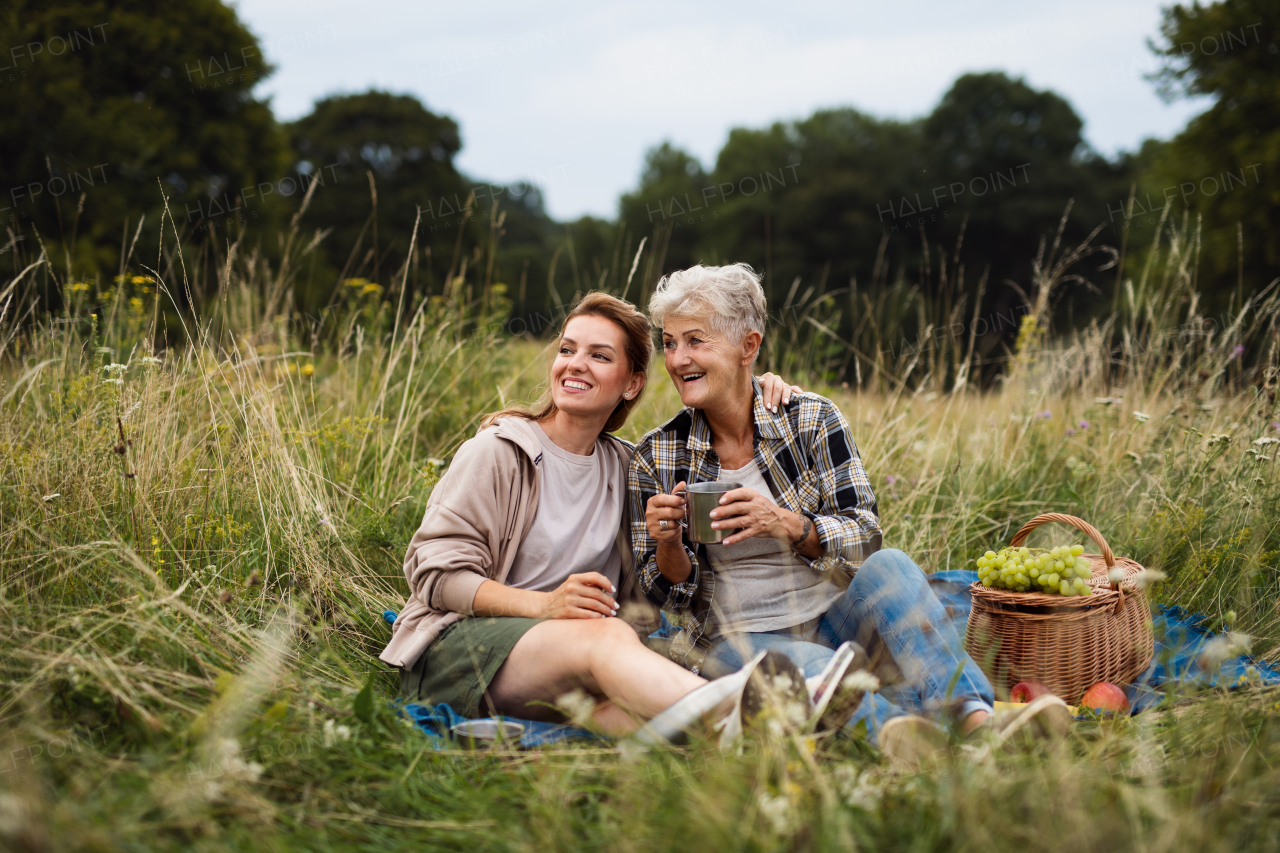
[
  {"x": 437, "y": 720},
  {"x": 1180, "y": 637}
]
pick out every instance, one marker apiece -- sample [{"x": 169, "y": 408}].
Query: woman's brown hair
[{"x": 639, "y": 350}]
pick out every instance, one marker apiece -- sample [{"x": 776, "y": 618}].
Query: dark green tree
[
  {"x": 1223, "y": 169},
  {"x": 356, "y": 146},
  {"x": 668, "y": 206},
  {"x": 1006, "y": 159},
  {"x": 104, "y": 104},
  {"x": 1003, "y": 155},
  {"x": 842, "y": 199},
  {"x": 407, "y": 152},
  {"x": 801, "y": 199}
]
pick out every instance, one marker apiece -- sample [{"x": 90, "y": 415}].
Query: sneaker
[
  {"x": 910, "y": 742},
  {"x": 1044, "y": 718},
  {"x": 716, "y": 700},
  {"x": 775, "y": 695},
  {"x": 835, "y": 693}
]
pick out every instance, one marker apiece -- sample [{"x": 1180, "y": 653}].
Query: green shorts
[{"x": 458, "y": 666}]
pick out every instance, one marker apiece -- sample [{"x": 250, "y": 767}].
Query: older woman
[
  {"x": 803, "y": 570},
  {"x": 522, "y": 559}
]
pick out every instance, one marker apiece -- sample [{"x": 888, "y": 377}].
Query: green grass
[{"x": 186, "y": 615}]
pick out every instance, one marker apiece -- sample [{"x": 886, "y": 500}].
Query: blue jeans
[{"x": 909, "y": 643}]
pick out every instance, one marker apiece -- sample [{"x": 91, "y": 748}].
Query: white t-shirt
[
  {"x": 579, "y": 515},
  {"x": 760, "y": 585}
]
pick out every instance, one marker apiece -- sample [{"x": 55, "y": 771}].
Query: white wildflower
[
  {"x": 233, "y": 763},
  {"x": 1222, "y": 648},
  {"x": 860, "y": 680},
  {"x": 1141, "y": 417},
  {"x": 1263, "y": 442},
  {"x": 149, "y": 359},
  {"x": 115, "y": 367},
  {"x": 776, "y": 810},
  {"x": 113, "y": 382},
  {"x": 860, "y": 789},
  {"x": 577, "y": 706},
  {"x": 48, "y": 498},
  {"x": 1219, "y": 439},
  {"x": 335, "y": 733},
  {"x": 1147, "y": 577}
]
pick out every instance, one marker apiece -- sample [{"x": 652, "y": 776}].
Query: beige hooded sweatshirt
[{"x": 476, "y": 518}]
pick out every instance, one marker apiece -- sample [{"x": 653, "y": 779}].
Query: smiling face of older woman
[
  {"x": 708, "y": 368},
  {"x": 712, "y": 321}
]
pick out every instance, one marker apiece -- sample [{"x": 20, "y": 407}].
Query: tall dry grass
[{"x": 197, "y": 541}]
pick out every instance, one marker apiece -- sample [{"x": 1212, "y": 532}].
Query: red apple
[
  {"x": 1025, "y": 691},
  {"x": 1105, "y": 696}
]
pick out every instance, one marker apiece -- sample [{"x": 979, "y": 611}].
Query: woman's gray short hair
[{"x": 730, "y": 295}]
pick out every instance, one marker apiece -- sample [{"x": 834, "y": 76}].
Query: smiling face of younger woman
[
  {"x": 708, "y": 369},
  {"x": 591, "y": 373}
]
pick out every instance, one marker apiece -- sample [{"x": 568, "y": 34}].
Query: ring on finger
[{"x": 663, "y": 525}]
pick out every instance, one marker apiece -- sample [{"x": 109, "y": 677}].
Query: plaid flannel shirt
[{"x": 809, "y": 460}]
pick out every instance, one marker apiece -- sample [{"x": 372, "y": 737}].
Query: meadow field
[{"x": 197, "y": 542}]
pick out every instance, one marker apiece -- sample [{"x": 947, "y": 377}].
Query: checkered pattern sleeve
[
  {"x": 644, "y": 480},
  {"x": 848, "y": 520}
]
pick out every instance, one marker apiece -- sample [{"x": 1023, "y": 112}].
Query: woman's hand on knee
[{"x": 583, "y": 596}]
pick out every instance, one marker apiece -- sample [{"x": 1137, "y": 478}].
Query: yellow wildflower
[
  {"x": 355, "y": 282},
  {"x": 371, "y": 288},
  {"x": 308, "y": 369},
  {"x": 80, "y": 286}
]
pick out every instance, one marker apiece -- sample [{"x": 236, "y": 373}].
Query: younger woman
[{"x": 523, "y": 563}]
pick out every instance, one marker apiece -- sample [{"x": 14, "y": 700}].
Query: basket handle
[
  {"x": 1084, "y": 527},
  {"x": 1078, "y": 523}
]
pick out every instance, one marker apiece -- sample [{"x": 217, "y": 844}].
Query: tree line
[{"x": 115, "y": 116}]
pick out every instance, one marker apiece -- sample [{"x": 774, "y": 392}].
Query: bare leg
[
  {"x": 602, "y": 657},
  {"x": 611, "y": 718}
]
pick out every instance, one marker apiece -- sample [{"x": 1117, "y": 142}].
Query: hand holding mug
[
  {"x": 748, "y": 513},
  {"x": 663, "y": 514}
]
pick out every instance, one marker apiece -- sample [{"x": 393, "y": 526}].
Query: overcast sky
[{"x": 571, "y": 94}]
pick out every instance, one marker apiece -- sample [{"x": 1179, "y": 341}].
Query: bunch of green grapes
[{"x": 1060, "y": 571}]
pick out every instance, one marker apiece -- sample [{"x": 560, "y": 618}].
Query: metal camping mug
[{"x": 699, "y": 500}]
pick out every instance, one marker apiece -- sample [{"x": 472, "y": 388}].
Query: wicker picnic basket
[{"x": 1066, "y": 643}]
